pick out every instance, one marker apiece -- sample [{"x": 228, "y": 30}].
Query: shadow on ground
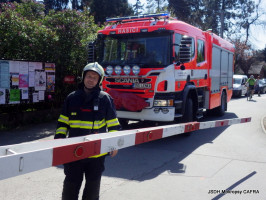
[{"x": 147, "y": 161}]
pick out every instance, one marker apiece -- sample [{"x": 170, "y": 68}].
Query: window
[
  {"x": 201, "y": 51},
  {"x": 145, "y": 49},
  {"x": 178, "y": 38}
]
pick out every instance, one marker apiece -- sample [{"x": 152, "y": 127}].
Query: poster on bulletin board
[
  {"x": 25, "y": 93},
  {"x": 40, "y": 80},
  {"x": 23, "y": 81},
  {"x": 14, "y": 96},
  {"x": 4, "y": 75},
  {"x": 14, "y": 79},
  {"x": 2, "y": 96},
  {"x": 50, "y": 83}
]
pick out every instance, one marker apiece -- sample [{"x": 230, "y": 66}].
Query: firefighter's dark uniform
[{"x": 80, "y": 117}]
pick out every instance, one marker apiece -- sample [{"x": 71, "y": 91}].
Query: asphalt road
[{"x": 219, "y": 163}]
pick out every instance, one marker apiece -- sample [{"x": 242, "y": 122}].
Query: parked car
[
  {"x": 262, "y": 86},
  {"x": 239, "y": 87}
]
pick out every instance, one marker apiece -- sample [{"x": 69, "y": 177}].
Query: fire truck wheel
[
  {"x": 222, "y": 108},
  {"x": 188, "y": 115},
  {"x": 124, "y": 123}
]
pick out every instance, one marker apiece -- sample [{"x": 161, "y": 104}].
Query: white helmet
[{"x": 96, "y": 67}]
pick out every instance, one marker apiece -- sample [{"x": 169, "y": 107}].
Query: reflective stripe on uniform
[
  {"x": 87, "y": 124},
  {"x": 61, "y": 130},
  {"x": 112, "y": 131},
  {"x": 64, "y": 119},
  {"x": 96, "y": 156},
  {"x": 99, "y": 124},
  {"x": 112, "y": 122},
  {"x": 80, "y": 124}
]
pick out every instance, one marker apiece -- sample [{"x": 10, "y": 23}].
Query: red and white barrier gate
[{"x": 28, "y": 157}]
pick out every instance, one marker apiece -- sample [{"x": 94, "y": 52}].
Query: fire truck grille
[{"x": 120, "y": 86}]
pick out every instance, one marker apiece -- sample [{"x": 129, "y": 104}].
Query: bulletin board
[{"x": 25, "y": 82}]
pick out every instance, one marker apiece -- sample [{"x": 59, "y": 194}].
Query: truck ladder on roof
[{"x": 139, "y": 17}]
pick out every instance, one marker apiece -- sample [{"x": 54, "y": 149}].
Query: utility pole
[{"x": 222, "y": 19}]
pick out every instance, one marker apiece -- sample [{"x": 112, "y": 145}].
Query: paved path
[{"x": 201, "y": 166}]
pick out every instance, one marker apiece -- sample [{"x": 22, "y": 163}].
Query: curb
[{"x": 263, "y": 124}]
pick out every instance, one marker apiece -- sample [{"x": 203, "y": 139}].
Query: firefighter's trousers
[{"x": 74, "y": 171}]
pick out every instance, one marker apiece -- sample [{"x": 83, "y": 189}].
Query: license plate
[{"x": 142, "y": 85}]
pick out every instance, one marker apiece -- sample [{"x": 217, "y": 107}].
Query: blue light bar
[{"x": 132, "y": 18}]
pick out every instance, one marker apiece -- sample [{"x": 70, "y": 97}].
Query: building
[{"x": 257, "y": 69}]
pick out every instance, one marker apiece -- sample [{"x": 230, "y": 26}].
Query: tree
[
  {"x": 22, "y": 35},
  {"x": 250, "y": 15},
  {"x": 101, "y": 9},
  {"x": 9, "y": 1},
  {"x": 156, "y": 6},
  {"x": 222, "y": 16},
  {"x": 138, "y": 7},
  {"x": 55, "y": 5},
  {"x": 74, "y": 31},
  {"x": 244, "y": 55},
  {"x": 188, "y": 11}
]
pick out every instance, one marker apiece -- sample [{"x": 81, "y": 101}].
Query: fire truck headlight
[
  {"x": 109, "y": 70},
  {"x": 136, "y": 69},
  {"x": 163, "y": 102},
  {"x": 118, "y": 70},
  {"x": 127, "y": 70}
]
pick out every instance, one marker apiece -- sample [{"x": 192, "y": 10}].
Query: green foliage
[
  {"x": 74, "y": 31},
  {"x": 102, "y": 9},
  {"x": 26, "y": 33},
  {"x": 22, "y": 35},
  {"x": 188, "y": 11},
  {"x": 55, "y": 4}
]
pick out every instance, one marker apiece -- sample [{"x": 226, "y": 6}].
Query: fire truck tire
[
  {"x": 222, "y": 108},
  {"x": 124, "y": 123},
  {"x": 188, "y": 115}
]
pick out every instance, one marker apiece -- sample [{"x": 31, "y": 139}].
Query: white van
[{"x": 239, "y": 87}]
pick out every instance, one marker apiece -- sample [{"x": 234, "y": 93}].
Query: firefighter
[{"x": 86, "y": 111}]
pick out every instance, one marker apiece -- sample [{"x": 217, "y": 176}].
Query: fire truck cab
[{"x": 162, "y": 69}]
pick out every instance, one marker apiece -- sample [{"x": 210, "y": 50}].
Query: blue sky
[{"x": 257, "y": 33}]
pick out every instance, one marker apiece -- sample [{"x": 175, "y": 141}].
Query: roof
[{"x": 256, "y": 68}]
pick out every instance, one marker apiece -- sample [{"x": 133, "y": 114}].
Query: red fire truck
[{"x": 162, "y": 69}]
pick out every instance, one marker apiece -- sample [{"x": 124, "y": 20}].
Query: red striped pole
[{"x": 28, "y": 157}]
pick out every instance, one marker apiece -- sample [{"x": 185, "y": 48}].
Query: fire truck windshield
[{"x": 141, "y": 49}]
